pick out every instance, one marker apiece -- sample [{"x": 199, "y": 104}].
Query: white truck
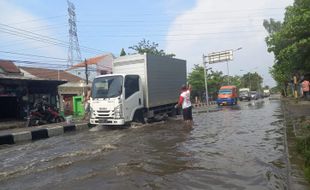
[
  {"x": 141, "y": 87},
  {"x": 244, "y": 94},
  {"x": 266, "y": 93}
]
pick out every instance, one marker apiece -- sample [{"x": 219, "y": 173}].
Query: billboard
[{"x": 217, "y": 57}]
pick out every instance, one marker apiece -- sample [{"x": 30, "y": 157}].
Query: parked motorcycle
[{"x": 47, "y": 115}]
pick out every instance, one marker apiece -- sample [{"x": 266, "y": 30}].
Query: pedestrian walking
[
  {"x": 305, "y": 89},
  {"x": 87, "y": 95},
  {"x": 186, "y": 105}
]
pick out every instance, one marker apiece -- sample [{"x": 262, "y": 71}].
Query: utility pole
[
  {"x": 86, "y": 71},
  {"x": 206, "y": 79},
  {"x": 228, "y": 79}
]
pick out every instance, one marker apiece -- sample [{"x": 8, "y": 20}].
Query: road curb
[
  {"x": 205, "y": 111},
  {"x": 40, "y": 133},
  {"x": 7, "y": 139},
  {"x": 21, "y": 136},
  {"x": 204, "y": 104}
]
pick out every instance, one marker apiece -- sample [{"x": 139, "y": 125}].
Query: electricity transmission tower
[{"x": 74, "y": 53}]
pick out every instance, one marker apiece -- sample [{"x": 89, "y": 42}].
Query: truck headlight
[
  {"x": 92, "y": 111},
  {"x": 118, "y": 111}
]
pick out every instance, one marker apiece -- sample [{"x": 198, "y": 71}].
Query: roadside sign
[{"x": 220, "y": 56}]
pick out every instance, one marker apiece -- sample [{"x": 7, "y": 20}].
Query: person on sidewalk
[
  {"x": 305, "y": 89},
  {"x": 87, "y": 95},
  {"x": 185, "y": 103}
]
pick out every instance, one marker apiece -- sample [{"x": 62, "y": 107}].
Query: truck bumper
[
  {"x": 226, "y": 101},
  {"x": 244, "y": 98},
  {"x": 95, "y": 121}
]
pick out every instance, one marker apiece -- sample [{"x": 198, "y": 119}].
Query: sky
[{"x": 35, "y": 32}]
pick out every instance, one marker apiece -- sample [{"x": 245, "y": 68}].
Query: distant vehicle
[
  {"x": 254, "y": 95},
  {"x": 227, "y": 95},
  {"x": 266, "y": 93},
  {"x": 244, "y": 94}
]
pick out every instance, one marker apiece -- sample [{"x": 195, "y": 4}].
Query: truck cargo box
[{"x": 161, "y": 76}]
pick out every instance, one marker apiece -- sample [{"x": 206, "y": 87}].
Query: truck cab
[
  {"x": 227, "y": 95},
  {"x": 115, "y": 99}
]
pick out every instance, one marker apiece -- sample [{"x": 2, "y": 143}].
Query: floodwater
[{"x": 240, "y": 147}]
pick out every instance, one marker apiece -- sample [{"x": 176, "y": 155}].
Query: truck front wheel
[
  {"x": 139, "y": 116},
  {"x": 173, "y": 112}
]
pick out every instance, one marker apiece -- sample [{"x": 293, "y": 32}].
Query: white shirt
[{"x": 186, "y": 99}]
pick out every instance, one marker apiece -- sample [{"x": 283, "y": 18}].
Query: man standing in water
[
  {"x": 185, "y": 103},
  {"x": 87, "y": 95}
]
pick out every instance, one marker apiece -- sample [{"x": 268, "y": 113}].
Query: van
[{"x": 227, "y": 95}]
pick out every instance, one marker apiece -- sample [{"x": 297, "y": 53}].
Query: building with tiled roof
[
  {"x": 19, "y": 90},
  {"x": 8, "y": 67},
  {"x": 50, "y": 74},
  {"x": 98, "y": 65},
  {"x": 75, "y": 85}
]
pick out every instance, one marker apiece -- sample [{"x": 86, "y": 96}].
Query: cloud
[
  {"x": 17, "y": 17},
  {"x": 212, "y": 26}
]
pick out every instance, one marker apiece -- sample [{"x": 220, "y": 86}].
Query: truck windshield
[
  {"x": 244, "y": 92},
  {"x": 107, "y": 87},
  {"x": 225, "y": 91}
]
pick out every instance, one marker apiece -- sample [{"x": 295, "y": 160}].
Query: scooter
[
  {"x": 54, "y": 116},
  {"x": 50, "y": 115}
]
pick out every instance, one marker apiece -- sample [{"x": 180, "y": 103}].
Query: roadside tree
[
  {"x": 290, "y": 43},
  {"x": 123, "y": 53},
  {"x": 197, "y": 79},
  {"x": 145, "y": 46},
  {"x": 251, "y": 80}
]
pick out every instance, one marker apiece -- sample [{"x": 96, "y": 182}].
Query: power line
[
  {"x": 36, "y": 20},
  {"x": 31, "y": 37},
  {"x": 46, "y": 27},
  {"x": 42, "y": 40},
  {"x": 199, "y": 12},
  {"x": 32, "y": 48},
  {"x": 217, "y": 19},
  {"x": 176, "y": 35},
  {"x": 35, "y": 36},
  {"x": 34, "y": 59},
  {"x": 36, "y": 63},
  {"x": 41, "y": 56},
  {"x": 176, "y": 23}
]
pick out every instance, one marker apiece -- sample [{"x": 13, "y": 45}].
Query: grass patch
[{"x": 303, "y": 148}]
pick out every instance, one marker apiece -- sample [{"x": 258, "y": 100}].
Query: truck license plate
[{"x": 102, "y": 120}]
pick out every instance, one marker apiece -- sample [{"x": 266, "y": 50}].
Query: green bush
[{"x": 307, "y": 173}]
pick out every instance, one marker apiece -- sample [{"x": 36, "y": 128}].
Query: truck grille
[{"x": 105, "y": 115}]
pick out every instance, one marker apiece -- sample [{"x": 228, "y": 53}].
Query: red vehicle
[{"x": 227, "y": 95}]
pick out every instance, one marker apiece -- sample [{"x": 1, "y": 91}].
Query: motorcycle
[{"x": 38, "y": 117}]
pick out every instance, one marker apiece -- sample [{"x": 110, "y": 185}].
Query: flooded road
[{"x": 235, "y": 148}]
